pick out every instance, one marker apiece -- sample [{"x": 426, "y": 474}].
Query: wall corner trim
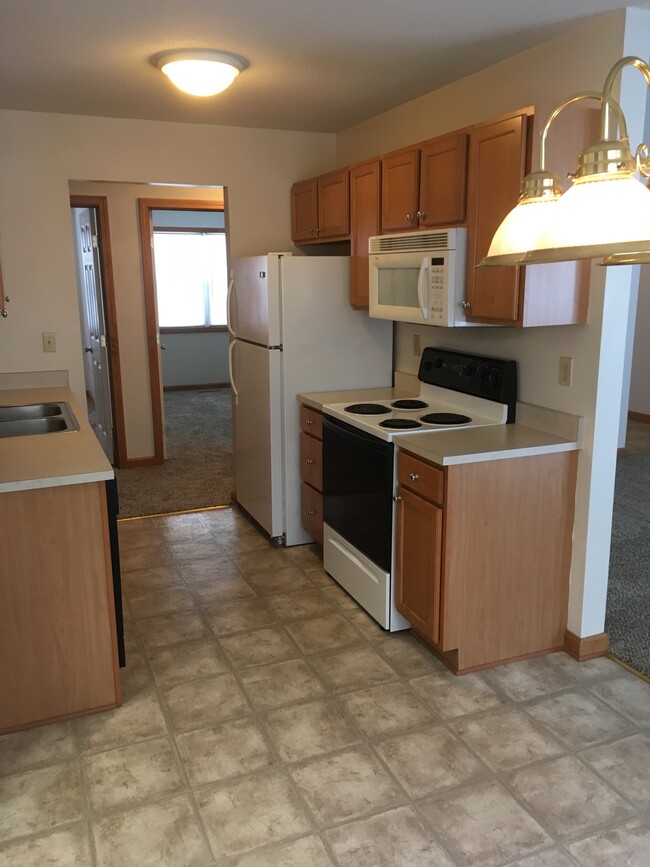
[{"x": 588, "y": 647}]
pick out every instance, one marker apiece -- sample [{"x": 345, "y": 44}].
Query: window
[{"x": 191, "y": 278}]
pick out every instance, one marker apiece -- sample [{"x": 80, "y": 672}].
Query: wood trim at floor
[
  {"x": 639, "y": 416},
  {"x": 134, "y": 463},
  {"x": 197, "y": 386},
  {"x": 621, "y": 452},
  {"x": 588, "y": 647}
]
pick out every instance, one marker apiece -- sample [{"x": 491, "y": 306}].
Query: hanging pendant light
[{"x": 201, "y": 72}]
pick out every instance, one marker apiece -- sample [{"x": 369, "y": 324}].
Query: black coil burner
[
  {"x": 409, "y": 403},
  {"x": 445, "y": 418},
  {"x": 367, "y": 409},
  {"x": 400, "y": 423}
]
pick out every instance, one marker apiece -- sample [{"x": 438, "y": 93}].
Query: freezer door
[
  {"x": 254, "y": 304},
  {"x": 257, "y": 434}
]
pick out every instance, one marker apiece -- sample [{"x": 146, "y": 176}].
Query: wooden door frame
[
  {"x": 145, "y": 207},
  {"x": 100, "y": 205}
]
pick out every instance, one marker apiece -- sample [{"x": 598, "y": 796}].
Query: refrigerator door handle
[
  {"x": 231, "y": 286},
  {"x": 231, "y": 370}
]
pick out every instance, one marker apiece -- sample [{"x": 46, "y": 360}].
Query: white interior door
[{"x": 93, "y": 326}]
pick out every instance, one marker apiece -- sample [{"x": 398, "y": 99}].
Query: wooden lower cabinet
[
  {"x": 311, "y": 472},
  {"x": 58, "y": 643},
  {"x": 484, "y": 579},
  {"x": 312, "y": 511}
]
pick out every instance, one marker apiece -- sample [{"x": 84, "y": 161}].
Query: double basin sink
[{"x": 36, "y": 418}]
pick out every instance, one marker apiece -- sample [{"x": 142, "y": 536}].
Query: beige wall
[
  {"x": 541, "y": 77},
  {"x": 41, "y": 153}
]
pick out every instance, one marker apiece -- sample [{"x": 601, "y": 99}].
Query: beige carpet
[{"x": 198, "y": 472}]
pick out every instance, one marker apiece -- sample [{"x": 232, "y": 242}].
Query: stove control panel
[{"x": 478, "y": 375}]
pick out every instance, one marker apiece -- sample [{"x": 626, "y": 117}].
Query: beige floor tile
[
  {"x": 45, "y": 745},
  {"x": 429, "y": 760},
  {"x": 352, "y": 668},
  {"x": 180, "y": 528},
  {"x": 629, "y": 695},
  {"x": 386, "y": 710},
  {"x": 214, "y": 754},
  {"x": 305, "y": 556},
  {"x": 156, "y": 578},
  {"x": 172, "y": 629},
  {"x": 270, "y": 644},
  {"x": 625, "y": 845},
  {"x": 261, "y": 561},
  {"x": 398, "y": 837},
  {"x": 306, "y": 852},
  {"x": 407, "y": 656},
  {"x": 187, "y": 661},
  {"x": 528, "y": 679},
  {"x": 211, "y": 570},
  {"x": 507, "y": 739},
  {"x": 318, "y": 576},
  {"x": 40, "y": 800},
  {"x": 66, "y": 848},
  {"x": 227, "y": 518},
  {"x": 132, "y": 640},
  {"x": 144, "y": 558},
  {"x": 339, "y": 596},
  {"x": 625, "y": 765},
  {"x": 324, "y": 633},
  {"x": 138, "y": 719},
  {"x": 134, "y": 535},
  {"x": 346, "y": 786},
  {"x": 250, "y": 813},
  {"x": 201, "y": 548},
  {"x": 215, "y": 592},
  {"x": 578, "y": 719},
  {"x": 484, "y": 825},
  {"x": 294, "y": 606},
  {"x": 589, "y": 670},
  {"x": 285, "y": 580},
  {"x": 308, "y": 730},
  {"x": 228, "y": 618},
  {"x": 235, "y": 542},
  {"x": 366, "y": 625},
  {"x": 135, "y": 676},
  {"x": 547, "y": 858},
  {"x": 152, "y": 603},
  {"x": 566, "y": 797},
  {"x": 204, "y": 702},
  {"x": 120, "y": 778},
  {"x": 283, "y": 683},
  {"x": 451, "y": 696},
  {"x": 166, "y": 834}
]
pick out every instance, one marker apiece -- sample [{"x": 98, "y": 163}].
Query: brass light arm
[{"x": 606, "y": 119}]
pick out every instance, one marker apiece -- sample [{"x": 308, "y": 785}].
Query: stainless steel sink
[{"x": 36, "y": 418}]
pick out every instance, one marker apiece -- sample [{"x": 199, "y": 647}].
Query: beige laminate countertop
[
  {"x": 318, "y": 399},
  {"x": 49, "y": 460}
]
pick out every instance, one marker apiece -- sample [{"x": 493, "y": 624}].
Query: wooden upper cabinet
[
  {"x": 334, "y": 204},
  {"x": 400, "y": 183},
  {"x": 304, "y": 211},
  {"x": 443, "y": 174},
  {"x": 365, "y": 221},
  {"x": 497, "y": 163}
]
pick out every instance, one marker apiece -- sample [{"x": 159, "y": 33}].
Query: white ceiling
[{"x": 319, "y": 65}]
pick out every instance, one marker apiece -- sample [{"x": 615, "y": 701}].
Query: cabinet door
[
  {"x": 365, "y": 221},
  {"x": 418, "y": 563},
  {"x": 311, "y": 507},
  {"x": 443, "y": 173},
  {"x": 304, "y": 211},
  {"x": 497, "y": 157},
  {"x": 334, "y": 204},
  {"x": 400, "y": 178}
]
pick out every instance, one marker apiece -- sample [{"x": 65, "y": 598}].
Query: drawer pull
[
  {"x": 311, "y": 512},
  {"x": 309, "y": 421},
  {"x": 310, "y": 460},
  {"x": 414, "y": 476},
  {"x": 397, "y": 498}
]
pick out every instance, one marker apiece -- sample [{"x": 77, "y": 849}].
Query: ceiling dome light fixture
[{"x": 201, "y": 72}]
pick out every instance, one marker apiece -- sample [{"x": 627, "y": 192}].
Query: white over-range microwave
[{"x": 419, "y": 277}]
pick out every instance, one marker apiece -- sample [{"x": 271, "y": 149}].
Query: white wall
[
  {"x": 195, "y": 358},
  {"x": 42, "y": 152},
  {"x": 541, "y": 77}
]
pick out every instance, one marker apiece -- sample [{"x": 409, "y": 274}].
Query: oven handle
[{"x": 424, "y": 269}]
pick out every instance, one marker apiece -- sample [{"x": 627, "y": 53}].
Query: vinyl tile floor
[{"x": 269, "y": 722}]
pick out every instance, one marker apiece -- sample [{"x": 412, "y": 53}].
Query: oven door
[{"x": 358, "y": 488}]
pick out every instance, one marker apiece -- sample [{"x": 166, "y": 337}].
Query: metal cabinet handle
[
  {"x": 409, "y": 218},
  {"x": 309, "y": 421},
  {"x": 310, "y": 460},
  {"x": 420, "y": 215},
  {"x": 414, "y": 476},
  {"x": 311, "y": 512},
  {"x": 465, "y": 304},
  {"x": 397, "y": 498}
]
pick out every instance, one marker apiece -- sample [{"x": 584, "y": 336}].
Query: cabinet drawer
[
  {"x": 425, "y": 479},
  {"x": 311, "y": 422},
  {"x": 311, "y": 461},
  {"x": 312, "y": 512}
]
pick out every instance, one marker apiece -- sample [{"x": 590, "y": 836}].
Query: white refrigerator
[{"x": 292, "y": 331}]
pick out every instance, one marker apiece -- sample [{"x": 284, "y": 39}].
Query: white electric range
[{"x": 457, "y": 390}]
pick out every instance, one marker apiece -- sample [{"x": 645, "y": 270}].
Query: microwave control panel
[{"x": 437, "y": 291}]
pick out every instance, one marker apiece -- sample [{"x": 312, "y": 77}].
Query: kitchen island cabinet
[{"x": 483, "y": 555}]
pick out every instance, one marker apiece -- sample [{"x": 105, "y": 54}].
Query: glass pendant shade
[
  {"x": 201, "y": 73},
  {"x": 600, "y": 215},
  {"x": 520, "y": 231}
]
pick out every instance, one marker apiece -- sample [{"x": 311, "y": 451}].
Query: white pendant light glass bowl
[
  {"x": 201, "y": 73},
  {"x": 520, "y": 231},
  {"x": 598, "y": 216}
]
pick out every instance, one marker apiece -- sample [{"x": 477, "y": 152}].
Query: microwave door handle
[{"x": 424, "y": 305}]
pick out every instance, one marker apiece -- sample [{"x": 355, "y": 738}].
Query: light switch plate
[
  {"x": 49, "y": 341},
  {"x": 565, "y": 371},
  {"x": 416, "y": 345}
]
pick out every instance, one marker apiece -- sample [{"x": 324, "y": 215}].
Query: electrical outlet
[
  {"x": 416, "y": 345},
  {"x": 565, "y": 371},
  {"x": 49, "y": 341}
]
